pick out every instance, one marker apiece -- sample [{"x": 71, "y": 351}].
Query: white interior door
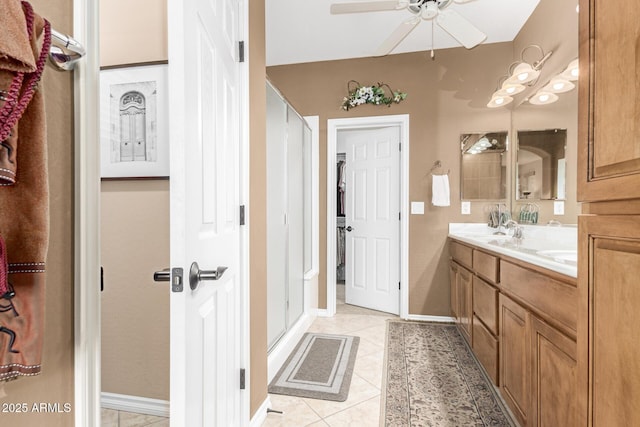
[
  {"x": 206, "y": 323},
  {"x": 372, "y": 208}
]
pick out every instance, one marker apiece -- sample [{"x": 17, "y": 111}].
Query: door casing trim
[{"x": 333, "y": 127}]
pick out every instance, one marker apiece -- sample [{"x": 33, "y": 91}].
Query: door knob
[
  {"x": 162, "y": 276},
  {"x": 349, "y": 229},
  {"x": 196, "y": 275}
]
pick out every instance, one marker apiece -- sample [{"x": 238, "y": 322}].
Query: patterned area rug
[
  {"x": 433, "y": 379},
  {"x": 320, "y": 367}
]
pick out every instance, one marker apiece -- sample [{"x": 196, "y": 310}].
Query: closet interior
[{"x": 341, "y": 162}]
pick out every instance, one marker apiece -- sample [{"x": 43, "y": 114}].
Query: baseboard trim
[
  {"x": 322, "y": 312},
  {"x": 423, "y": 318},
  {"x": 261, "y": 414},
  {"x": 137, "y": 404}
]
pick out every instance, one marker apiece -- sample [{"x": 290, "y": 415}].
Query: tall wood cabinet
[{"x": 609, "y": 230}]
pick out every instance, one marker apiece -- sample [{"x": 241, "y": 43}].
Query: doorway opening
[{"x": 388, "y": 261}]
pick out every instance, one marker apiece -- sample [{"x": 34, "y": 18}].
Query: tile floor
[
  {"x": 113, "y": 418},
  {"x": 362, "y": 407}
]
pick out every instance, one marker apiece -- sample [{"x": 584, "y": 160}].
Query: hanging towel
[
  {"x": 440, "y": 190},
  {"x": 24, "y": 196}
]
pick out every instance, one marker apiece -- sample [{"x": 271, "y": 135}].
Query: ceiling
[{"x": 304, "y": 31}]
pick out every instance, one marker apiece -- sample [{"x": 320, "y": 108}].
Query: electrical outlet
[
  {"x": 465, "y": 208},
  {"x": 558, "y": 207}
]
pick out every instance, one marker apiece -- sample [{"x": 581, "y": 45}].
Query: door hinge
[
  {"x": 398, "y": 285},
  {"x": 242, "y": 217},
  {"x": 241, "y": 51},
  {"x": 399, "y": 216},
  {"x": 399, "y": 146},
  {"x": 242, "y": 379}
]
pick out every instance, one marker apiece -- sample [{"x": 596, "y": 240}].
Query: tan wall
[
  {"x": 132, "y": 31},
  {"x": 55, "y": 384},
  {"x": 258, "y": 205},
  {"x": 446, "y": 97},
  {"x": 134, "y": 230},
  {"x": 135, "y": 320}
]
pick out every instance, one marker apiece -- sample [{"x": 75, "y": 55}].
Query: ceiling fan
[{"x": 428, "y": 10}]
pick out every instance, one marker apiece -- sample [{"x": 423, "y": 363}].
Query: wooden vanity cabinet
[
  {"x": 485, "y": 327},
  {"x": 514, "y": 357},
  {"x": 523, "y": 322},
  {"x": 554, "y": 377},
  {"x": 461, "y": 298},
  {"x": 609, "y": 236},
  {"x": 461, "y": 287}
]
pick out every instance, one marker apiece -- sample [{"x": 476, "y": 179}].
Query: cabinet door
[
  {"x": 553, "y": 377},
  {"x": 453, "y": 289},
  {"x": 608, "y": 319},
  {"x": 465, "y": 301},
  {"x": 514, "y": 360},
  {"x": 609, "y": 115}
]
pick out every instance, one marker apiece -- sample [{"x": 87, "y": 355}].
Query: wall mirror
[
  {"x": 541, "y": 165},
  {"x": 483, "y": 165}
]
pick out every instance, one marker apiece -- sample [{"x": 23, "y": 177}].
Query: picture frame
[{"x": 134, "y": 125}]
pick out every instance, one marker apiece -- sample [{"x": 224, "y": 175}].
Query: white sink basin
[
  {"x": 566, "y": 256},
  {"x": 489, "y": 237}
]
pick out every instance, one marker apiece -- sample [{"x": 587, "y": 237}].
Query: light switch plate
[
  {"x": 465, "y": 208},
  {"x": 417, "y": 208},
  {"x": 558, "y": 207}
]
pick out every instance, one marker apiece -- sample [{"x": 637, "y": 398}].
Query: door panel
[
  {"x": 206, "y": 323},
  {"x": 372, "y": 207}
]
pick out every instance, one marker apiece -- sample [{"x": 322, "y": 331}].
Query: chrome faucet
[{"x": 518, "y": 231}]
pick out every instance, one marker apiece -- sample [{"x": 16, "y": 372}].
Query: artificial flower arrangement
[{"x": 374, "y": 94}]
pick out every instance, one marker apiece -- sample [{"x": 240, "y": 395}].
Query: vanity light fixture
[
  {"x": 525, "y": 72},
  {"x": 509, "y": 89},
  {"x": 520, "y": 75},
  {"x": 559, "y": 85},
  {"x": 499, "y": 101},
  {"x": 572, "y": 71},
  {"x": 543, "y": 97}
]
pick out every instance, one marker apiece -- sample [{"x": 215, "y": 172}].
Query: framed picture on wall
[{"x": 134, "y": 122}]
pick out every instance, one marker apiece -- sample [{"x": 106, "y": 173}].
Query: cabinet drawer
[
  {"x": 555, "y": 301},
  {"x": 485, "y": 304},
  {"x": 461, "y": 253},
  {"x": 486, "y": 265},
  {"x": 485, "y": 347}
]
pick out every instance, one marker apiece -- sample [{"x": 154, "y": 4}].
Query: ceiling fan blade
[
  {"x": 397, "y": 36},
  {"x": 462, "y": 1},
  {"x": 367, "y": 6},
  {"x": 460, "y": 28}
]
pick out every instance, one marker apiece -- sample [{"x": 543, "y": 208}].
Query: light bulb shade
[
  {"x": 523, "y": 73},
  {"x": 499, "y": 101},
  {"x": 543, "y": 98},
  {"x": 509, "y": 89},
  {"x": 572, "y": 71},
  {"x": 559, "y": 85}
]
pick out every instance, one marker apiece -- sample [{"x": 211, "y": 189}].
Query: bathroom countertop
[{"x": 553, "y": 248}]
